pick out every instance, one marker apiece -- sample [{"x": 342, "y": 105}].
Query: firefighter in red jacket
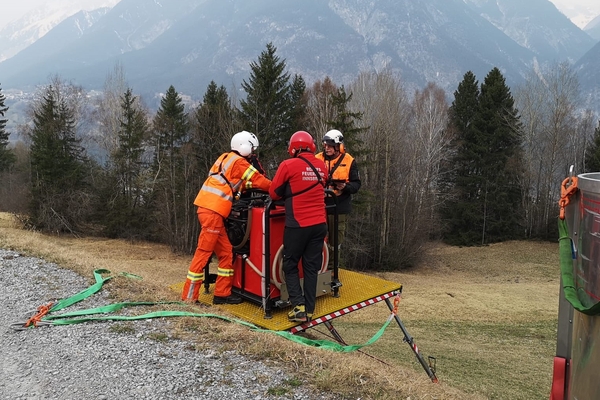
[
  {"x": 230, "y": 175},
  {"x": 300, "y": 181}
]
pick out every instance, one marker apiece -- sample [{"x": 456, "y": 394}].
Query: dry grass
[{"x": 487, "y": 314}]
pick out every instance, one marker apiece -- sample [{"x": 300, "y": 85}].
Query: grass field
[{"x": 487, "y": 314}]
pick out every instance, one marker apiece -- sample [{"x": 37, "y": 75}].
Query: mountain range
[{"x": 188, "y": 43}]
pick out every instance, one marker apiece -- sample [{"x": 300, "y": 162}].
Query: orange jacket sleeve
[{"x": 250, "y": 175}]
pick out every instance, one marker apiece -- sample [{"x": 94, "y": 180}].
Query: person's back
[
  {"x": 300, "y": 180},
  {"x": 297, "y": 182},
  {"x": 230, "y": 175}
]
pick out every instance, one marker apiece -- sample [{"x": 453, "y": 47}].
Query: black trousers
[{"x": 304, "y": 244}]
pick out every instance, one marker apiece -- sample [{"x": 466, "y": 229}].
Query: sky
[{"x": 579, "y": 11}]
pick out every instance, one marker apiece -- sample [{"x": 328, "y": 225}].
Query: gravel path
[{"x": 89, "y": 361}]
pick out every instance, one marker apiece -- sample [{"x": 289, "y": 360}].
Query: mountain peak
[{"x": 189, "y": 43}]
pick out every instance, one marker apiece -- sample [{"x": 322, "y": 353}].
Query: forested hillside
[{"x": 484, "y": 167}]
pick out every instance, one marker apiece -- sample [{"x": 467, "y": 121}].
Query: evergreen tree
[
  {"x": 462, "y": 172},
  {"x": 128, "y": 157},
  {"x": 592, "y": 153},
  {"x": 300, "y": 102},
  {"x": 125, "y": 216},
  {"x": 7, "y": 158},
  {"x": 483, "y": 185},
  {"x": 502, "y": 168},
  {"x": 214, "y": 127},
  {"x": 345, "y": 121},
  {"x": 57, "y": 164},
  {"x": 268, "y": 110},
  {"x": 173, "y": 160},
  {"x": 170, "y": 131}
]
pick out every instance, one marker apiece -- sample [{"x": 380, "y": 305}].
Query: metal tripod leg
[{"x": 408, "y": 339}]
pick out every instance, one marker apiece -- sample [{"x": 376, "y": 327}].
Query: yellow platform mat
[{"x": 357, "y": 291}]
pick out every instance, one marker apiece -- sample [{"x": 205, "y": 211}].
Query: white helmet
[
  {"x": 336, "y": 139},
  {"x": 333, "y": 137},
  {"x": 244, "y": 143}
]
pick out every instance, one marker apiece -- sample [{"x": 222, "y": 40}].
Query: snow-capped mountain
[
  {"x": 188, "y": 43},
  {"x": 22, "y": 32}
]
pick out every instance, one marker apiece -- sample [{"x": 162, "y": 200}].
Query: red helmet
[{"x": 301, "y": 141}]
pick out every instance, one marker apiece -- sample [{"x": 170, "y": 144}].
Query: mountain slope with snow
[
  {"x": 188, "y": 43},
  {"x": 26, "y": 30}
]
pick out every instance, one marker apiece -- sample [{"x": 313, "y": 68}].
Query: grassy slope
[{"x": 487, "y": 314}]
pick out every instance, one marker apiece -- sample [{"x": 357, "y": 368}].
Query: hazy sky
[{"x": 580, "y": 11}]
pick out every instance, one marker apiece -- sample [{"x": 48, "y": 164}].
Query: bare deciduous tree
[
  {"x": 108, "y": 111},
  {"x": 431, "y": 147},
  {"x": 548, "y": 103},
  {"x": 320, "y": 108},
  {"x": 386, "y": 111}
]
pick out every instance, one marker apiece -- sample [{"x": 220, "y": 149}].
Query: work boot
[
  {"x": 231, "y": 299},
  {"x": 298, "y": 314}
]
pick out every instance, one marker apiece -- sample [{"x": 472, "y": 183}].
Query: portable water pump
[{"x": 255, "y": 229}]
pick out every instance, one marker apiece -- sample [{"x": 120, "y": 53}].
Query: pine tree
[
  {"x": 170, "y": 130},
  {"x": 483, "y": 188},
  {"x": 7, "y": 158},
  {"x": 268, "y": 110},
  {"x": 592, "y": 153},
  {"x": 299, "y": 100},
  {"x": 459, "y": 212},
  {"x": 214, "y": 127},
  {"x": 173, "y": 161},
  {"x": 128, "y": 157},
  {"x": 345, "y": 121},
  {"x": 57, "y": 164},
  {"x": 125, "y": 212},
  {"x": 502, "y": 167}
]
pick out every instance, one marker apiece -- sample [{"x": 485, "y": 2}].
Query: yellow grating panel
[{"x": 356, "y": 288}]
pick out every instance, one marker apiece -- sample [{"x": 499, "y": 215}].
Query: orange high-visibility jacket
[
  {"x": 230, "y": 174},
  {"x": 342, "y": 168},
  {"x": 338, "y": 168}
]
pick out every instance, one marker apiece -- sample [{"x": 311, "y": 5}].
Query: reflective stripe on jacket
[{"x": 231, "y": 173}]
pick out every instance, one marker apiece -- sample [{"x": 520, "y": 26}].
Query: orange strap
[
  {"x": 396, "y": 303},
  {"x": 41, "y": 311},
  {"x": 566, "y": 193}
]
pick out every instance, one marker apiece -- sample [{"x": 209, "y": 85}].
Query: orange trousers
[{"x": 212, "y": 238}]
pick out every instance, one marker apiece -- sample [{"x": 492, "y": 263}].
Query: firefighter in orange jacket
[
  {"x": 344, "y": 180},
  {"x": 230, "y": 175}
]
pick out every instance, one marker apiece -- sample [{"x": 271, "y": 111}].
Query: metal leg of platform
[
  {"x": 206, "y": 275},
  {"x": 335, "y": 333},
  {"x": 430, "y": 370},
  {"x": 208, "y": 279}
]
